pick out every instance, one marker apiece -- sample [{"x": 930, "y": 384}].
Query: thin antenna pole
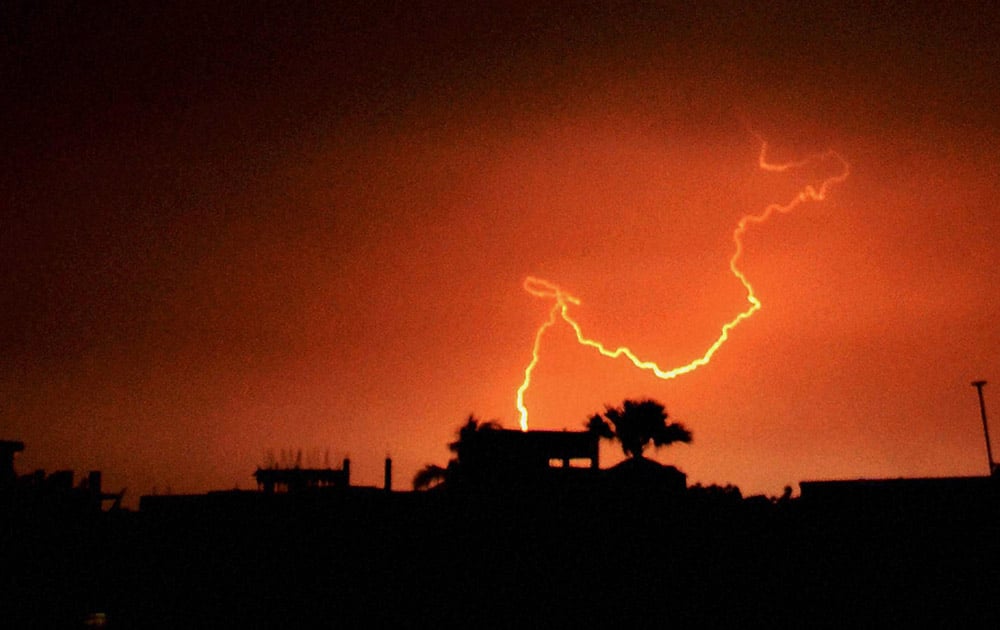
[{"x": 986, "y": 429}]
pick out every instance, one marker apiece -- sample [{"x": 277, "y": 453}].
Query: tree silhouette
[
  {"x": 463, "y": 447},
  {"x": 636, "y": 424},
  {"x": 430, "y": 476},
  {"x": 597, "y": 424},
  {"x": 468, "y": 434}
]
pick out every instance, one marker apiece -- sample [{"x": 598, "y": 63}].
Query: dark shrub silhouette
[{"x": 430, "y": 476}]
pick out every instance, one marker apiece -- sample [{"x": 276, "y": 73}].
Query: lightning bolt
[{"x": 562, "y": 301}]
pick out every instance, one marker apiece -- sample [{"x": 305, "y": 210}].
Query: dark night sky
[{"x": 253, "y": 227}]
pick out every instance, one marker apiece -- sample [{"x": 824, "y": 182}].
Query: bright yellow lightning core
[{"x": 563, "y": 300}]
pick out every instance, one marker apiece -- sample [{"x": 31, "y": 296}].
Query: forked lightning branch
[{"x": 563, "y": 302}]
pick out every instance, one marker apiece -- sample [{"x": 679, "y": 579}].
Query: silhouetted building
[
  {"x": 8, "y": 448},
  {"x": 297, "y": 479},
  {"x": 41, "y": 493},
  {"x": 502, "y": 456},
  {"x": 901, "y": 492}
]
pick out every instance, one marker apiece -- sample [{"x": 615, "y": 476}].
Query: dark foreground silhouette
[
  {"x": 519, "y": 529},
  {"x": 556, "y": 555}
]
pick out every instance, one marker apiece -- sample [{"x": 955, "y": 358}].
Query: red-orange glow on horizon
[{"x": 541, "y": 288}]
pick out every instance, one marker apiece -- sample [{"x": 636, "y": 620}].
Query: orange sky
[{"x": 232, "y": 233}]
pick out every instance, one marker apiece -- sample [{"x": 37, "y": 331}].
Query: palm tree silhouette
[
  {"x": 464, "y": 448},
  {"x": 430, "y": 476},
  {"x": 636, "y": 424}
]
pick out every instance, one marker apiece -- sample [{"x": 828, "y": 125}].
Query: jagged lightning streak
[{"x": 562, "y": 300}]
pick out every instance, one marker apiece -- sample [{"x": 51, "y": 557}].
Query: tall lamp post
[{"x": 986, "y": 430}]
